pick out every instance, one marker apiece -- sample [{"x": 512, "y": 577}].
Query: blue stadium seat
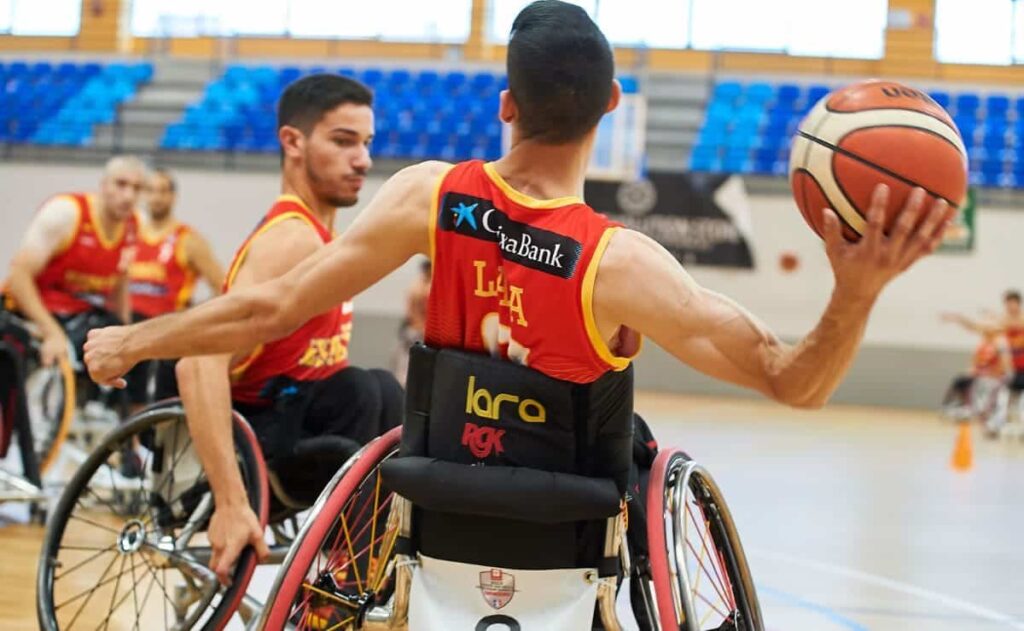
[
  {"x": 967, "y": 104},
  {"x": 997, "y": 106},
  {"x": 727, "y": 92},
  {"x": 759, "y": 93},
  {"x": 941, "y": 97}
]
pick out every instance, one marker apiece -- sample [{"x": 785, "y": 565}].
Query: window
[
  {"x": 776, "y": 26},
  {"x": 30, "y": 17},
  {"x": 978, "y": 31},
  {"x": 437, "y": 21}
]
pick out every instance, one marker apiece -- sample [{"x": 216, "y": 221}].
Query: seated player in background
[
  {"x": 973, "y": 395},
  {"x": 1010, "y": 325},
  {"x": 170, "y": 256},
  {"x": 74, "y": 257},
  {"x": 299, "y": 385}
]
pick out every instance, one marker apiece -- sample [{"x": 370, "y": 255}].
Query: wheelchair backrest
[
  {"x": 495, "y": 448},
  {"x": 474, "y": 409}
]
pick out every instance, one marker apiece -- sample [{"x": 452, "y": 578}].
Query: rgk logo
[
  {"x": 486, "y": 405},
  {"x": 482, "y": 441}
]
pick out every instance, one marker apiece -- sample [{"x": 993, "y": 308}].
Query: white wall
[{"x": 226, "y": 205}]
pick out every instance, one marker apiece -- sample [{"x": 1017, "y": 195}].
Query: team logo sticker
[{"x": 497, "y": 587}]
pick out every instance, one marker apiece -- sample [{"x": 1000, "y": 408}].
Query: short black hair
[
  {"x": 560, "y": 71},
  {"x": 1013, "y": 295},
  {"x": 306, "y": 100},
  {"x": 164, "y": 173}
]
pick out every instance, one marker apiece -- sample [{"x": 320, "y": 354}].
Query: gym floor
[{"x": 852, "y": 518}]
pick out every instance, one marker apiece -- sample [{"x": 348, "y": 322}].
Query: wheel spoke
[
  {"x": 109, "y": 549},
  {"x": 86, "y": 602}
]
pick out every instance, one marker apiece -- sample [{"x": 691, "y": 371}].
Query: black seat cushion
[{"x": 502, "y": 492}]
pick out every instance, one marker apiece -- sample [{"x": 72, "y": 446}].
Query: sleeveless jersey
[
  {"x": 987, "y": 362},
  {"x": 514, "y": 276},
  {"x": 1015, "y": 340},
  {"x": 161, "y": 279},
  {"x": 83, "y": 273},
  {"x": 316, "y": 350}
]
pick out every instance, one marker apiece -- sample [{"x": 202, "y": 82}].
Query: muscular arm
[
  {"x": 718, "y": 337},
  {"x": 206, "y": 394},
  {"x": 715, "y": 335},
  {"x": 50, "y": 229},
  {"x": 204, "y": 263},
  {"x": 391, "y": 229}
]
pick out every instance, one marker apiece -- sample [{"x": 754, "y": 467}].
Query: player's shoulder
[
  {"x": 627, "y": 248},
  {"x": 64, "y": 206}
]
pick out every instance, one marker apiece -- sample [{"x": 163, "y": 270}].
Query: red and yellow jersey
[
  {"x": 83, "y": 272},
  {"x": 987, "y": 361},
  {"x": 514, "y": 276},
  {"x": 160, "y": 276},
  {"x": 316, "y": 350},
  {"x": 1015, "y": 341}
]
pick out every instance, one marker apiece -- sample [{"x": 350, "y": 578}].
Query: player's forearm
[
  {"x": 808, "y": 373},
  {"x": 239, "y": 320},
  {"x": 205, "y": 393},
  {"x": 25, "y": 293}
]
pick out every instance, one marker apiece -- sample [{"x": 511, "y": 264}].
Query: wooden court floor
[{"x": 852, "y": 517}]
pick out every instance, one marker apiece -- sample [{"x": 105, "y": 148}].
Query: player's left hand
[
  {"x": 864, "y": 268},
  {"x": 105, "y": 355}
]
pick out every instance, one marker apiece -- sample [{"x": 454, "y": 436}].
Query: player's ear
[
  {"x": 508, "y": 111},
  {"x": 613, "y": 101},
  {"x": 291, "y": 139}
]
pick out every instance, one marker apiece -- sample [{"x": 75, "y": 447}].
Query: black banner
[{"x": 701, "y": 218}]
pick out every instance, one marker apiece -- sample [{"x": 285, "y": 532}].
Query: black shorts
[
  {"x": 1017, "y": 381},
  {"x": 354, "y": 403}
]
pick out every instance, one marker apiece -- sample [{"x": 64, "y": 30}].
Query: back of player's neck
[{"x": 548, "y": 171}]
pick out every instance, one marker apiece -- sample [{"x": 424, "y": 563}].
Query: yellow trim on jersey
[
  {"x": 107, "y": 244},
  {"x": 435, "y": 209},
  {"x": 244, "y": 252},
  {"x": 599, "y": 344},
  {"x": 525, "y": 200},
  {"x": 65, "y": 245},
  {"x": 239, "y": 369},
  {"x": 150, "y": 237}
]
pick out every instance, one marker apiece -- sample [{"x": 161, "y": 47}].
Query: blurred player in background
[
  {"x": 973, "y": 395},
  {"x": 169, "y": 258},
  {"x": 1011, "y": 326}
]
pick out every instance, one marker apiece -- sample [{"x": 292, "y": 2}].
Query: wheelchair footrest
[{"x": 518, "y": 493}]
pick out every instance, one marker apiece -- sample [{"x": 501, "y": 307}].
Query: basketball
[{"x": 870, "y": 133}]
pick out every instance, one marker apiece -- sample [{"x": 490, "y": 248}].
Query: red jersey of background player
[
  {"x": 161, "y": 280},
  {"x": 83, "y": 273},
  {"x": 514, "y": 276},
  {"x": 316, "y": 350},
  {"x": 1015, "y": 341}
]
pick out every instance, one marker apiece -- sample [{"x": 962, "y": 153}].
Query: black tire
[{"x": 139, "y": 522}]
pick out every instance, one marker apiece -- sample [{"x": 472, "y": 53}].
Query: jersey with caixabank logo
[{"x": 513, "y": 277}]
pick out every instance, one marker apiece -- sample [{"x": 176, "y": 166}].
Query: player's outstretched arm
[
  {"x": 392, "y": 228},
  {"x": 718, "y": 337}
]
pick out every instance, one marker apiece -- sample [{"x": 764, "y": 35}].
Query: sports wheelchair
[
  {"x": 488, "y": 509},
  {"x": 132, "y": 552},
  {"x": 509, "y": 510},
  {"x": 61, "y": 402}
]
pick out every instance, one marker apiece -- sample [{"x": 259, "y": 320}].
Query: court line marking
[
  {"x": 818, "y": 608},
  {"x": 894, "y": 585}
]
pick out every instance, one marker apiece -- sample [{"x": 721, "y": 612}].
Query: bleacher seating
[
  {"x": 419, "y": 114},
  {"x": 748, "y": 129},
  {"x": 44, "y": 103}
]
